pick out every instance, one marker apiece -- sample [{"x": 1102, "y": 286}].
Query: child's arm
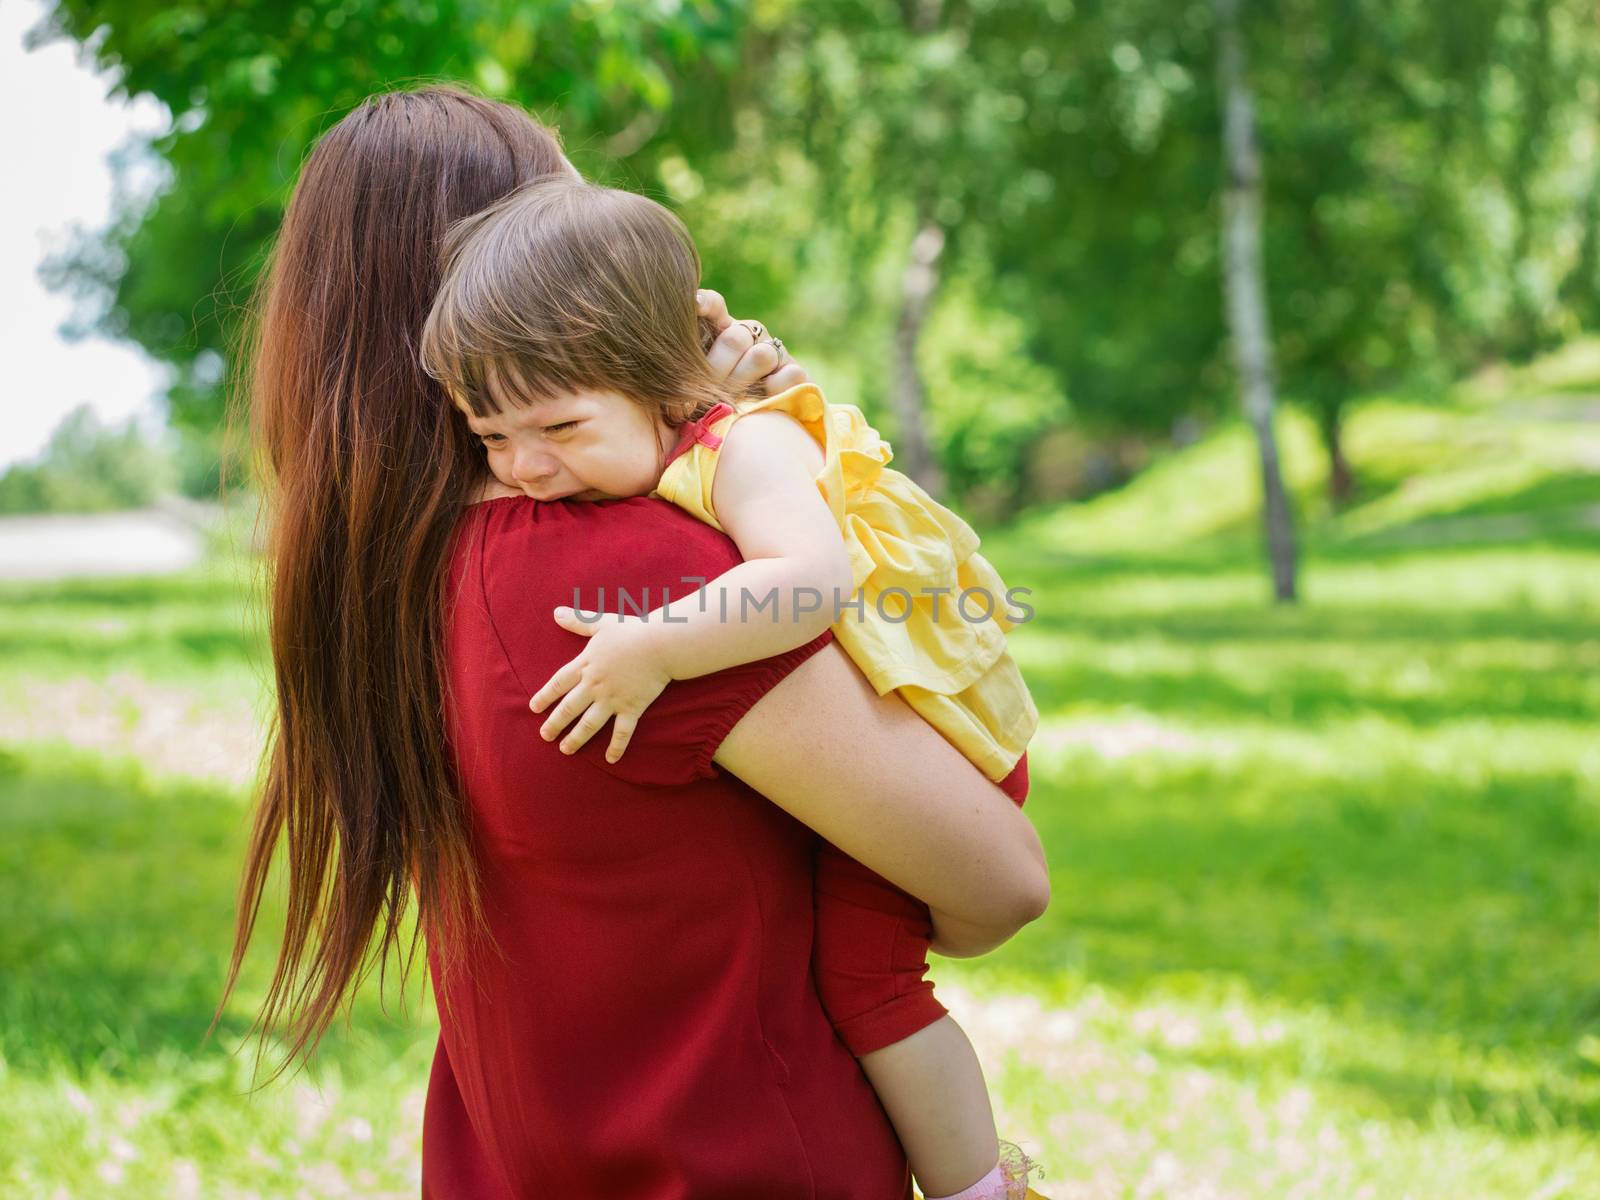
[{"x": 765, "y": 495}]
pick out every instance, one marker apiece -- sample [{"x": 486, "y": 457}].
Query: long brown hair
[
  {"x": 365, "y": 471},
  {"x": 566, "y": 285}
]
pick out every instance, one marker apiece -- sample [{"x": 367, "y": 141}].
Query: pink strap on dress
[{"x": 699, "y": 430}]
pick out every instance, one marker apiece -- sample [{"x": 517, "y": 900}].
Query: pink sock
[{"x": 991, "y": 1187}]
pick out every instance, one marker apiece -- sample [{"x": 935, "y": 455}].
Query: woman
[{"x": 620, "y": 952}]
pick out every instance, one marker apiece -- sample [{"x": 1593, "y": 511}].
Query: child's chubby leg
[
  {"x": 932, "y": 1088},
  {"x": 871, "y": 962}
]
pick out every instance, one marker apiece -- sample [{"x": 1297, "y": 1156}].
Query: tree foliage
[
  {"x": 1432, "y": 181},
  {"x": 251, "y": 85},
  {"x": 88, "y": 467}
]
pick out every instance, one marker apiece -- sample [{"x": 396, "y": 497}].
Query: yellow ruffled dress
[{"x": 947, "y": 656}]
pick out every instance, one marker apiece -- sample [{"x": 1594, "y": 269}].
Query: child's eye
[
  {"x": 493, "y": 439},
  {"x": 560, "y": 428}
]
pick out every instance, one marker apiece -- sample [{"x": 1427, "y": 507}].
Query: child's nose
[{"x": 531, "y": 466}]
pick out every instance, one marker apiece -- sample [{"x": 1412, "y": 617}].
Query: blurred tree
[
  {"x": 1430, "y": 172},
  {"x": 88, "y": 467},
  {"x": 1248, "y": 319},
  {"x": 1370, "y": 125},
  {"x": 251, "y": 83},
  {"x": 1427, "y": 170},
  {"x": 1426, "y": 183},
  {"x": 878, "y": 141},
  {"x": 1119, "y": 141}
]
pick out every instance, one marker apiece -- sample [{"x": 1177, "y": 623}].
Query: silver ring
[{"x": 777, "y": 345}]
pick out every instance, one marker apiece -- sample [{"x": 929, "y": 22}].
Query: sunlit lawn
[
  {"x": 1325, "y": 918},
  {"x": 128, "y": 709}
]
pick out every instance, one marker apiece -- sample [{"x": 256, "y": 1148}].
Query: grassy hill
[{"x": 1509, "y": 455}]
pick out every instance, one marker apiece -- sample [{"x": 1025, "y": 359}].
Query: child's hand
[{"x": 617, "y": 675}]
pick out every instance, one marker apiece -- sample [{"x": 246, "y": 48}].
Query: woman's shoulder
[
  {"x": 632, "y": 536},
  {"x": 633, "y": 557}
]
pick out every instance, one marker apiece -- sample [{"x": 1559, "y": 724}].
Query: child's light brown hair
[{"x": 565, "y": 285}]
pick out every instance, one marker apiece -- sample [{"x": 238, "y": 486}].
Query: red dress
[{"x": 644, "y": 1024}]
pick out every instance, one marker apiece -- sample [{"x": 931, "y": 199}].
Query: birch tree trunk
[
  {"x": 912, "y": 449},
  {"x": 1245, "y": 288},
  {"x": 1341, "y": 478}
]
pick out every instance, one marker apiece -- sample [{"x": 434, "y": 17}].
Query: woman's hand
[
  {"x": 618, "y": 675},
  {"x": 737, "y": 357}
]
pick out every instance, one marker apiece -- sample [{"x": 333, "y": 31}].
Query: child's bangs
[
  {"x": 521, "y": 380},
  {"x": 565, "y": 351},
  {"x": 543, "y": 353}
]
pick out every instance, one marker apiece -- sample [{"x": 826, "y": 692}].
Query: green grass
[
  {"x": 129, "y": 709},
  {"x": 115, "y": 898},
  {"x": 1335, "y": 863},
  {"x": 1326, "y": 917}
]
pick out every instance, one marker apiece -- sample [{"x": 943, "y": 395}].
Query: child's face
[{"x": 587, "y": 445}]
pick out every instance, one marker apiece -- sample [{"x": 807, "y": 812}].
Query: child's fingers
[
  {"x": 573, "y": 703},
  {"x": 621, "y": 734},
  {"x": 585, "y": 728},
  {"x": 576, "y": 621},
  {"x": 557, "y": 686}
]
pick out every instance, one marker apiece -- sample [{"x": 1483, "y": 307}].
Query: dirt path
[{"x": 144, "y": 542}]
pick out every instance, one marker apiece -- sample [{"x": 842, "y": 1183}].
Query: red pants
[{"x": 871, "y": 950}]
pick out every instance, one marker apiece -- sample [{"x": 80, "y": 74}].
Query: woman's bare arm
[
  {"x": 880, "y": 783},
  {"x": 955, "y": 938}
]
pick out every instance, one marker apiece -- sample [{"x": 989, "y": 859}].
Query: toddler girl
[{"x": 565, "y": 329}]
